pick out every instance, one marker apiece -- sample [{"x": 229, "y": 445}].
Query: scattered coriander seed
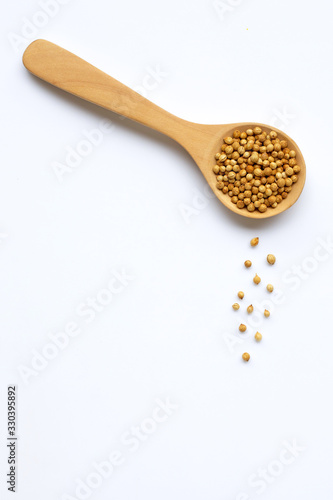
[
  {"x": 270, "y": 288},
  {"x": 258, "y": 337},
  {"x": 250, "y": 309},
  {"x": 236, "y": 306},
  {"x": 241, "y": 295},
  {"x": 256, "y": 279},
  {"x": 271, "y": 259},
  {"x": 266, "y": 313},
  {"x": 247, "y": 263},
  {"x": 242, "y": 328},
  {"x": 246, "y": 356},
  {"x": 254, "y": 242}
]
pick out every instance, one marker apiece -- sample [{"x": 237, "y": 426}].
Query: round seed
[
  {"x": 256, "y": 279},
  {"x": 250, "y": 309}
]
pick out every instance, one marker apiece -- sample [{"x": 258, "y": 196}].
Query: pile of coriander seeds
[
  {"x": 256, "y": 169},
  {"x": 256, "y": 280}
]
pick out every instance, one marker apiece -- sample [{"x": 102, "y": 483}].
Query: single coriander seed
[
  {"x": 242, "y": 328},
  {"x": 270, "y": 288},
  {"x": 250, "y": 309},
  {"x": 266, "y": 313},
  {"x": 236, "y": 306},
  {"x": 247, "y": 263},
  {"x": 254, "y": 242},
  {"x": 256, "y": 279},
  {"x": 246, "y": 356},
  {"x": 271, "y": 259},
  {"x": 258, "y": 337},
  {"x": 241, "y": 295}
]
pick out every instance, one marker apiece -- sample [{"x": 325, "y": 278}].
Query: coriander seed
[
  {"x": 247, "y": 263},
  {"x": 250, "y": 309},
  {"x": 246, "y": 356},
  {"x": 270, "y": 288},
  {"x": 236, "y": 306},
  {"x": 271, "y": 259},
  {"x": 254, "y": 242},
  {"x": 242, "y": 328},
  {"x": 241, "y": 295},
  {"x": 262, "y": 208},
  {"x": 258, "y": 337},
  {"x": 266, "y": 313},
  {"x": 256, "y": 279}
]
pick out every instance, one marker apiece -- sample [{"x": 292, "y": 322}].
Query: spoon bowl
[
  {"x": 76, "y": 76},
  {"x": 206, "y": 162}
]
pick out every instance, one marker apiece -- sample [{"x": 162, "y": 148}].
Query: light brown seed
[
  {"x": 250, "y": 309},
  {"x": 271, "y": 259},
  {"x": 246, "y": 356},
  {"x": 256, "y": 279}
]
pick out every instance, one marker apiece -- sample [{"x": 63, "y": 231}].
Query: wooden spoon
[{"x": 68, "y": 72}]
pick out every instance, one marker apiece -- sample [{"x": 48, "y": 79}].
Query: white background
[{"x": 167, "y": 334}]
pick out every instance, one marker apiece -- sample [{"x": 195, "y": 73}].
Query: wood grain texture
[{"x": 68, "y": 72}]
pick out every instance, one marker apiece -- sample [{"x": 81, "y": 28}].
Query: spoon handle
[{"x": 69, "y": 72}]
